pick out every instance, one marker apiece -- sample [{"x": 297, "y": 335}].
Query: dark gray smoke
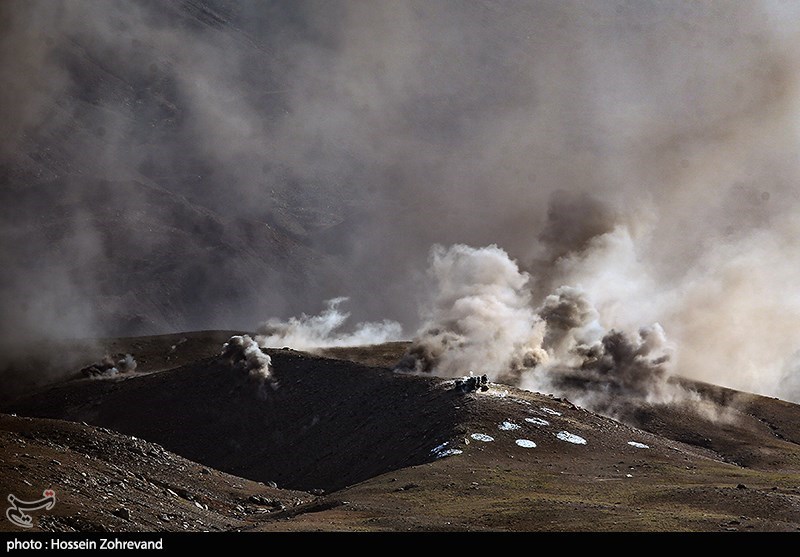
[
  {"x": 245, "y": 356},
  {"x": 618, "y": 369},
  {"x": 208, "y": 164},
  {"x": 564, "y": 312},
  {"x": 481, "y": 320}
]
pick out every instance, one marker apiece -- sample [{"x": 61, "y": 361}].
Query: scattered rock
[
  {"x": 266, "y": 501},
  {"x": 122, "y": 512}
]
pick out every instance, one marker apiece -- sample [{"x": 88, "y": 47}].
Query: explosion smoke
[
  {"x": 245, "y": 356},
  {"x": 308, "y": 332},
  {"x": 480, "y": 317},
  {"x": 267, "y": 153},
  {"x": 483, "y": 320},
  {"x": 110, "y": 366}
]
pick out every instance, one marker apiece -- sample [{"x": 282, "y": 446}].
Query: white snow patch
[
  {"x": 638, "y": 445},
  {"x": 550, "y": 411},
  {"x": 440, "y": 447},
  {"x": 526, "y": 443},
  {"x": 482, "y": 437},
  {"x": 571, "y": 438},
  {"x": 628, "y": 475},
  {"x": 441, "y": 451},
  {"x": 537, "y": 421},
  {"x": 508, "y": 426},
  {"x": 501, "y": 394}
]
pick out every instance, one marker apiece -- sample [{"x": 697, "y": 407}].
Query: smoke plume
[
  {"x": 482, "y": 319},
  {"x": 308, "y": 332},
  {"x": 245, "y": 356},
  {"x": 203, "y": 164},
  {"x": 111, "y": 366}
]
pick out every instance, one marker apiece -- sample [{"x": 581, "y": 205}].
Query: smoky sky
[{"x": 213, "y": 164}]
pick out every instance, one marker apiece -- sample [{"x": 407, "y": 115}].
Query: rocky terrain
[{"x": 339, "y": 445}]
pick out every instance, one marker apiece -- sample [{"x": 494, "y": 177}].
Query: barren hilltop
[{"x": 344, "y": 444}]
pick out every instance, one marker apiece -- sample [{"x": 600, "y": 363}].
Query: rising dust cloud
[
  {"x": 521, "y": 187},
  {"x": 245, "y": 357}
]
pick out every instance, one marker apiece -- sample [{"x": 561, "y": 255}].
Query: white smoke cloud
[
  {"x": 790, "y": 377},
  {"x": 736, "y": 316},
  {"x": 616, "y": 329},
  {"x": 245, "y": 355},
  {"x": 680, "y": 118},
  {"x": 480, "y": 317},
  {"x": 308, "y": 332},
  {"x": 730, "y": 313},
  {"x": 111, "y": 366},
  {"x": 127, "y": 364},
  {"x": 482, "y": 320}
]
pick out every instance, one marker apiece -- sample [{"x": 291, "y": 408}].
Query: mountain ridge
[{"x": 417, "y": 452}]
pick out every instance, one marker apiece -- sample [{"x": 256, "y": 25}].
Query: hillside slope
[{"x": 416, "y": 453}]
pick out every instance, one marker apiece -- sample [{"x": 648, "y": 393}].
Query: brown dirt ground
[{"x": 351, "y": 447}]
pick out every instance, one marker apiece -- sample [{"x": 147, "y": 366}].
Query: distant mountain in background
[
  {"x": 192, "y": 165},
  {"x": 115, "y": 218}
]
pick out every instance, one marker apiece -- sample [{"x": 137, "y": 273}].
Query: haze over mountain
[{"x": 210, "y": 164}]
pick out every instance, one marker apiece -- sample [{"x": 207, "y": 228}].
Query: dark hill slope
[
  {"x": 328, "y": 424},
  {"x": 414, "y": 453}
]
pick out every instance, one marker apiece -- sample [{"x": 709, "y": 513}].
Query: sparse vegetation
[{"x": 356, "y": 444}]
